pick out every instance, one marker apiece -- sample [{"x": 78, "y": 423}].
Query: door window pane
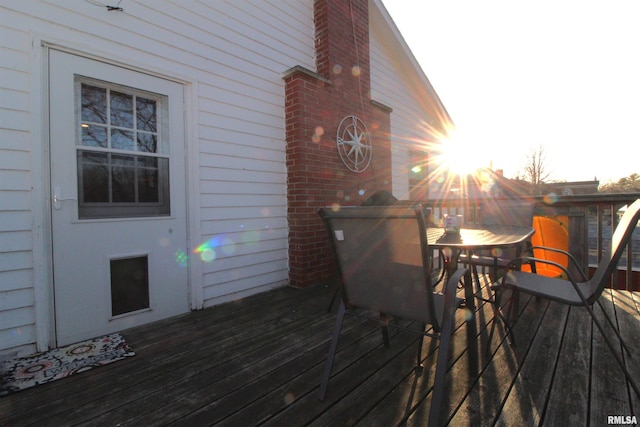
[
  {"x": 121, "y": 110},
  {"x": 149, "y": 178},
  {"x": 123, "y": 174},
  {"x": 146, "y": 115},
  {"x": 122, "y": 139},
  {"x": 94, "y": 171},
  {"x": 147, "y": 142},
  {"x": 94, "y": 135},
  {"x": 94, "y": 104}
]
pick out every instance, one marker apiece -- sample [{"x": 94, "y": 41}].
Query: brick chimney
[{"x": 315, "y": 104}]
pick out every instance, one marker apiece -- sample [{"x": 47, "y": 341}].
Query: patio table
[{"x": 472, "y": 239}]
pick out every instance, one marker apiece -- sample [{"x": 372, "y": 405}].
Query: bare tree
[{"x": 535, "y": 170}]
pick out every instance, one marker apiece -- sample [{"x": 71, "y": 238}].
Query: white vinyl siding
[
  {"x": 17, "y": 319},
  {"x": 397, "y": 83}
]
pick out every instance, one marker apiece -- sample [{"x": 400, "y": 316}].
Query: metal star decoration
[{"x": 354, "y": 144}]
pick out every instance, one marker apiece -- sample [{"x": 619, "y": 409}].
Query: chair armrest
[
  {"x": 560, "y": 251},
  {"x": 545, "y": 261}
]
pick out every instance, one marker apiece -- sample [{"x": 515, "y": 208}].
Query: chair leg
[
  {"x": 333, "y": 299},
  {"x": 494, "y": 269},
  {"x": 615, "y": 329},
  {"x": 497, "y": 315},
  {"x": 476, "y": 277},
  {"x": 441, "y": 366},
  {"x": 419, "y": 355},
  {"x": 332, "y": 352}
]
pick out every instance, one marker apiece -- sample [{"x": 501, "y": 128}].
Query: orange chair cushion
[{"x": 550, "y": 232}]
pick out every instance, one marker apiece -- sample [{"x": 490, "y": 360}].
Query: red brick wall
[{"x": 315, "y": 105}]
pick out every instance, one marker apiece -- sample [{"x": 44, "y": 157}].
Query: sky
[{"x": 517, "y": 76}]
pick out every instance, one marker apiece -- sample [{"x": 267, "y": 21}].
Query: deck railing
[{"x": 591, "y": 221}]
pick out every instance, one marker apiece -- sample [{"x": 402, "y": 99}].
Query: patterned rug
[{"x": 25, "y": 372}]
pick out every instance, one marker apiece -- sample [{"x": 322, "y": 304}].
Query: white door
[{"x": 118, "y": 209}]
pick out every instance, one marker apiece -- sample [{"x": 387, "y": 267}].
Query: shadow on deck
[{"x": 259, "y": 361}]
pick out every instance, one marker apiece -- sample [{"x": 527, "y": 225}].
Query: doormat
[{"x": 25, "y": 372}]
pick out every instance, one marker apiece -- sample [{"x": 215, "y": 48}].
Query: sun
[{"x": 460, "y": 153}]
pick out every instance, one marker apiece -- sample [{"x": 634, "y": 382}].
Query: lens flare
[
  {"x": 461, "y": 153},
  {"x": 249, "y": 237},
  {"x": 182, "y": 258},
  {"x": 551, "y": 198},
  {"x": 214, "y": 247},
  {"x": 208, "y": 255},
  {"x": 228, "y": 246},
  {"x": 207, "y": 250},
  {"x": 317, "y": 135},
  {"x": 289, "y": 398}
]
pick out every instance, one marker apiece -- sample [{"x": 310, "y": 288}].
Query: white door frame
[{"x": 45, "y": 337}]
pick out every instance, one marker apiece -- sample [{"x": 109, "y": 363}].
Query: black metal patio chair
[
  {"x": 585, "y": 292},
  {"x": 384, "y": 270}
]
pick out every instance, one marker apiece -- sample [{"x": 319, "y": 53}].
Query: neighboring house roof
[
  {"x": 482, "y": 184},
  {"x": 489, "y": 183},
  {"x": 573, "y": 188}
]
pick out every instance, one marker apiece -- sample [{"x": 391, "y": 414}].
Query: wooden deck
[{"x": 259, "y": 362}]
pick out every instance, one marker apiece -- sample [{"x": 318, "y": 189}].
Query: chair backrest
[
  {"x": 506, "y": 212},
  {"x": 382, "y": 259},
  {"x": 550, "y": 233},
  {"x": 380, "y": 198},
  {"x": 619, "y": 241}
]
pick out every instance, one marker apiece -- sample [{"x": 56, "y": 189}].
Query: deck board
[
  {"x": 627, "y": 308},
  {"x": 527, "y": 397},
  {"x": 609, "y": 395},
  {"x": 569, "y": 394},
  {"x": 259, "y": 362}
]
